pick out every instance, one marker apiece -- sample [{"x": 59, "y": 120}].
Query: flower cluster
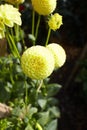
[
  {"x": 38, "y": 62},
  {"x": 9, "y": 16}
]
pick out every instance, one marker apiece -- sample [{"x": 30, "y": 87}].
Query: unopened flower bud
[{"x": 55, "y": 21}]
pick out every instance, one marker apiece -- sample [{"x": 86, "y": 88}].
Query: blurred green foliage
[{"x": 40, "y": 109}]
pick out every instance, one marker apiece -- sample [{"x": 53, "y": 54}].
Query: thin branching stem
[
  {"x": 11, "y": 42},
  {"x": 48, "y": 36},
  {"x": 26, "y": 94},
  {"x": 37, "y": 27},
  {"x": 14, "y": 46},
  {"x": 33, "y": 21},
  {"x": 40, "y": 85}
]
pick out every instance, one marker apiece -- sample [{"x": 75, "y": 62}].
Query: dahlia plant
[{"x": 25, "y": 75}]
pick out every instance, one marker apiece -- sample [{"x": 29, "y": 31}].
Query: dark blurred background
[
  {"x": 73, "y": 75},
  {"x": 74, "y": 18}
]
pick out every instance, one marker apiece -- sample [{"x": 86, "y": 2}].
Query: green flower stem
[
  {"x": 26, "y": 94},
  {"x": 33, "y": 20},
  {"x": 16, "y": 28},
  {"x": 14, "y": 46},
  {"x": 23, "y": 43},
  {"x": 37, "y": 27},
  {"x": 11, "y": 47},
  {"x": 11, "y": 78},
  {"x": 40, "y": 85},
  {"x": 11, "y": 42},
  {"x": 12, "y": 33},
  {"x": 48, "y": 36}
]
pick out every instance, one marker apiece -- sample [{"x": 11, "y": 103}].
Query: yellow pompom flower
[
  {"x": 55, "y": 21},
  {"x": 58, "y": 53},
  {"x": 37, "y": 62},
  {"x": 9, "y": 15},
  {"x": 44, "y": 7},
  {"x": 15, "y": 1}
]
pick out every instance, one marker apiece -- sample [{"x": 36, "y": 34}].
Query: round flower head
[
  {"x": 37, "y": 62},
  {"x": 44, "y": 7},
  {"x": 58, "y": 53},
  {"x": 15, "y": 1},
  {"x": 55, "y": 21},
  {"x": 9, "y": 15}
]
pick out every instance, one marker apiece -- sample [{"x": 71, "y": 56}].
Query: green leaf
[
  {"x": 42, "y": 103},
  {"x": 32, "y": 111},
  {"x": 51, "y": 101},
  {"x": 55, "y": 112},
  {"x": 16, "y": 111},
  {"x": 4, "y": 93},
  {"x": 29, "y": 127},
  {"x": 19, "y": 46},
  {"x": 31, "y": 37},
  {"x": 52, "y": 125},
  {"x": 3, "y": 124},
  {"x": 52, "y": 89},
  {"x": 43, "y": 118},
  {"x": 18, "y": 89},
  {"x": 8, "y": 87}
]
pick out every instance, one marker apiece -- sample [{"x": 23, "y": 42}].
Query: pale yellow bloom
[
  {"x": 44, "y": 7},
  {"x": 2, "y": 29},
  {"x": 15, "y": 1},
  {"x": 2, "y": 34},
  {"x": 58, "y": 53},
  {"x": 9, "y": 15},
  {"x": 2, "y": 26},
  {"x": 55, "y": 21},
  {"x": 37, "y": 62}
]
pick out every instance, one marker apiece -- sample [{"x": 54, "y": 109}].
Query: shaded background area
[{"x": 73, "y": 75}]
